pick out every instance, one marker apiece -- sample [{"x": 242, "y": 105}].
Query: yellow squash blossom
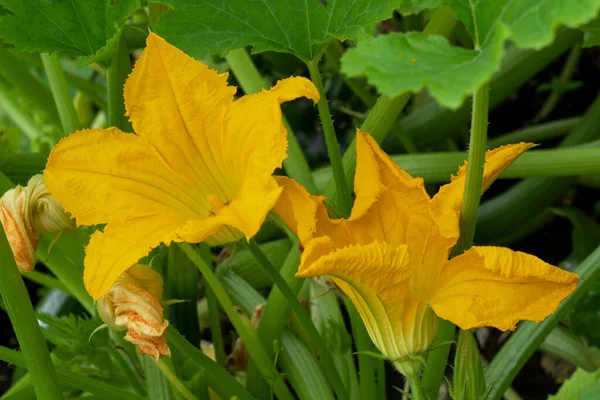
[
  {"x": 391, "y": 257},
  {"x": 133, "y": 304},
  {"x": 198, "y": 168}
]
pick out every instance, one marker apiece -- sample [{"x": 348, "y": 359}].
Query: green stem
[
  {"x": 46, "y": 280},
  {"x": 174, "y": 380},
  {"x": 251, "y": 81},
  {"x": 25, "y": 324},
  {"x": 275, "y": 315},
  {"x": 61, "y": 93},
  {"x": 344, "y": 202},
  {"x": 116, "y": 74},
  {"x": 215, "y": 326},
  {"x": 476, "y": 162},
  {"x": 218, "y": 378},
  {"x": 132, "y": 378},
  {"x": 386, "y": 110},
  {"x": 13, "y": 110},
  {"x": 316, "y": 339},
  {"x": 416, "y": 390},
  {"x": 529, "y": 335},
  {"x": 565, "y": 77},
  {"x": 536, "y": 133},
  {"x": 438, "y": 357},
  {"x": 31, "y": 89},
  {"x": 367, "y": 365},
  {"x": 565, "y": 345},
  {"x": 258, "y": 353}
]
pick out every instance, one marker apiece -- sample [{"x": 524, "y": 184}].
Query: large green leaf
[
  {"x": 580, "y": 386},
  {"x": 397, "y": 63},
  {"x": 411, "y": 7},
  {"x": 591, "y": 33},
  {"x": 80, "y": 27},
  {"x": 300, "y": 27},
  {"x": 404, "y": 63}
]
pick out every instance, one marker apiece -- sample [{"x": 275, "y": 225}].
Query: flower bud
[
  {"x": 23, "y": 239},
  {"x": 27, "y": 211},
  {"x": 133, "y": 304},
  {"x": 48, "y": 215}
]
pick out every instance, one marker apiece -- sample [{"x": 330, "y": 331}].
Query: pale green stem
[
  {"x": 565, "y": 77},
  {"x": 344, "y": 202},
  {"x": 25, "y": 324},
  {"x": 316, "y": 340},
  {"x": 61, "y": 93},
  {"x": 437, "y": 358},
  {"x": 253, "y": 344},
  {"x": 174, "y": 380}
]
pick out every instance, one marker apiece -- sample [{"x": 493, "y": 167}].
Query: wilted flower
[
  {"x": 133, "y": 304},
  {"x": 27, "y": 211}
]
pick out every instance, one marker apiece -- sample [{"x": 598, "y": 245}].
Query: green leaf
[
  {"x": 398, "y": 63},
  {"x": 581, "y": 385},
  {"x": 85, "y": 28},
  {"x": 411, "y": 7},
  {"x": 300, "y": 27},
  {"x": 591, "y": 33},
  {"x": 531, "y": 23}
]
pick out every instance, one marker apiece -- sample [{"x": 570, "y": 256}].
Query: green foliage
[
  {"x": 591, "y": 33},
  {"x": 581, "y": 385},
  {"x": 397, "y": 63},
  {"x": 9, "y": 144},
  {"x": 584, "y": 238},
  {"x": 84, "y": 28},
  {"x": 411, "y": 7},
  {"x": 73, "y": 345},
  {"x": 303, "y": 28}
]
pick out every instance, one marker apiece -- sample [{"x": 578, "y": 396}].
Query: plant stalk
[
  {"x": 116, "y": 74},
  {"x": 61, "y": 93},
  {"x": 30, "y": 338},
  {"x": 344, "y": 202},
  {"x": 258, "y": 353},
  {"x": 317, "y": 341},
  {"x": 438, "y": 357}
]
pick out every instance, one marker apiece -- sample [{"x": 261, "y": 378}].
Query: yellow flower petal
[
  {"x": 179, "y": 105},
  {"x": 375, "y": 277},
  {"x": 299, "y": 210},
  {"x": 242, "y": 217},
  {"x": 112, "y": 252},
  {"x": 199, "y": 166},
  {"x": 108, "y": 175},
  {"x": 495, "y": 286},
  {"x": 446, "y": 204},
  {"x": 255, "y": 124},
  {"x": 396, "y": 210}
]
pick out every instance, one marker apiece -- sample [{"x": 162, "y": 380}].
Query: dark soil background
[{"x": 552, "y": 243}]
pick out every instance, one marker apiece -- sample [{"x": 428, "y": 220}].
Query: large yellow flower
[
  {"x": 199, "y": 167},
  {"x": 391, "y": 257}
]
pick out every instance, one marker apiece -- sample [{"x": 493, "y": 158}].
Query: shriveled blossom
[
  {"x": 199, "y": 167},
  {"x": 133, "y": 304},
  {"x": 27, "y": 211},
  {"x": 391, "y": 257}
]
